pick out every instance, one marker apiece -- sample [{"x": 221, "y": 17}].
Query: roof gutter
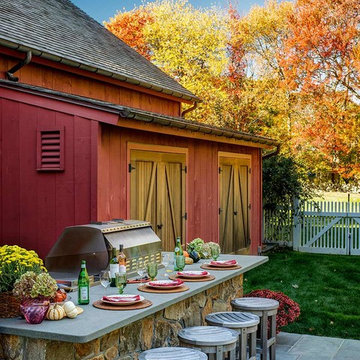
[
  {"x": 10, "y": 73},
  {"x": 88, "y": 67}
]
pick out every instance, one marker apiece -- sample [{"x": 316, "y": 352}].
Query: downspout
[
  {"x": 191, "y": 108},
  {"x": 18, "y": 66}
]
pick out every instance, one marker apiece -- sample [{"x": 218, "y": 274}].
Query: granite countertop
[{"x": 93, "y": 322}]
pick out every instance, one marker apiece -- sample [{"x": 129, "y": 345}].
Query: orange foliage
[{"x": 128, "y": 26}]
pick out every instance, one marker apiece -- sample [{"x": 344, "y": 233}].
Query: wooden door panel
[
  {"x": 158, "y": 193},
  {"x": 234, "y": 204},
  {"x": 226, "y": 208},
  {"x": 245, "y": 191},
  {"x": 240, "y": 207},
  {"x": 143, "y": 191}
]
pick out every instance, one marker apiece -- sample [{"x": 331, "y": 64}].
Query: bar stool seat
[
  {"x": 266, "y": 309},
  {"x": 244, "y": 323},
  {"x": 172, "y": 353},
  {"x": 212, "y": 340}
]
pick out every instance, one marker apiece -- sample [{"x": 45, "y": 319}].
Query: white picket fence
[{"x": 326, "y": 227}]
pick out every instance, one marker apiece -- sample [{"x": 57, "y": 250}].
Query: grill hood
[{"x": 94, "y": 243}]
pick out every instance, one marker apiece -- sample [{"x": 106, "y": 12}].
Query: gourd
[
  {"x": 70, "y": 309},
  {"x": 189, "y": 261},
  {"x": 55, "y": 312}
]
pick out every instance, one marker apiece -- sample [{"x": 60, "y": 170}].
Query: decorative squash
[
  {"x": 55, "y": 312},
  {"x": 189, "y": 261},
  {"x": 185, "y": 253},
  {"x": 70, "y": 310}
]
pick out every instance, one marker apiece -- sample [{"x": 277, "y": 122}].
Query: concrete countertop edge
[{"x": 38, "y": 334}]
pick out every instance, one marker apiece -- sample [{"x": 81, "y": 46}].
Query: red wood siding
[
  {"x": 202, "y": 181},
  {"x": 72, "y": 83},
  {"x": 36, "y": 206}
]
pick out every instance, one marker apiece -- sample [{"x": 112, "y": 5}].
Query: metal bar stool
[
  {"x": 212, "y": 340},
  {"x": 245, "y": 324},
  {"x": 173, "y": 353},
  {"x": 266, "y": 309}
]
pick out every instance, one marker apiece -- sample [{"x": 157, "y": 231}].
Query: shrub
[
  {"x": 16, "y": 261},
  {"x": 288, "y": 310},
  {"x": 284, "y": 180}
]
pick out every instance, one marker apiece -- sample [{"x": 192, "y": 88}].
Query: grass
[
  {"x": 336, "y": 196},
  {"x": 328, "y": 290}
]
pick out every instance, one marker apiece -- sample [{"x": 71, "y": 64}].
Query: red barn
[{"x": 91, "y": 131}]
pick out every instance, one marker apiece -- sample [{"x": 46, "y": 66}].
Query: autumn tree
[
  {"x": 129, "y": 27},
  {"x": 286, "y": 70},
  {"x": 321, "y": 62},
  {"x": 188, "y": 44}
]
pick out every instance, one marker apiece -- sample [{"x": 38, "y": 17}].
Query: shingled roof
[{"x": 60, "y": 31}]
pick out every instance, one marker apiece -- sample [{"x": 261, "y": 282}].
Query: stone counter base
[{"x": 159, "y": 329}]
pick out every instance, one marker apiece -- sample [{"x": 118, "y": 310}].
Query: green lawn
[
  {"x": 336, "y": 196},
  {"x": 328, "y": 290}
]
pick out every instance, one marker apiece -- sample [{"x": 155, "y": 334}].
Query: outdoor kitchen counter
[{"x": 94, "y": 323}]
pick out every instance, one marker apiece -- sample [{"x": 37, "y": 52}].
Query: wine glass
[
  {"x": 165, "y": 262},
  {"x": 120, "y": 282},
  {"x": 105, "y": 279},
  {"x": 215, "y": 252},
  {"x": 140, "y": 267},
  {"x": 180, "y": 262},
  {"x": 152, "y": 270}
]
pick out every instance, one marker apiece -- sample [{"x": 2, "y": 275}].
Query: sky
[{"x": 103, "y": 10}]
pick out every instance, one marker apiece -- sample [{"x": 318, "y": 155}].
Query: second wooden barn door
[
  {"x": 234, "y": 182},
  {"x": 157, "y": 193}
]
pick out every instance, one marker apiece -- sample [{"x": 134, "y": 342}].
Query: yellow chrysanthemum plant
[{"x": 16, "y": 261}]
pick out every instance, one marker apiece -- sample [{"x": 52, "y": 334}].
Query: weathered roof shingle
[{"x": 59, "y": 30}]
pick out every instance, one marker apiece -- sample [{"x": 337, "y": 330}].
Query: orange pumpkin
[{"x": 186, "y": 254}]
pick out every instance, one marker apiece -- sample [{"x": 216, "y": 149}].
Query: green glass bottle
[
  {"x": 114, "y": 267},
  {"x": 178, "y": 251},
  {"x": 83, "y": 285}
]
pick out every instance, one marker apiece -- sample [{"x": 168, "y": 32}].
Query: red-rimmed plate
[
  {"x": 165, "y": 284},
  {"x": 123, "y": 299},
  {"x": 223, "y": 263},
  {"x": 193, "y": 274}
]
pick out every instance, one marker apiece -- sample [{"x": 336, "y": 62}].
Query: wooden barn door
[
  {"x": 234, "y": 183},
  {"x": 157, "y": 194}
]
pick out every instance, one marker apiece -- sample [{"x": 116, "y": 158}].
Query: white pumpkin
[
  {"x": 70, "y": 309},
  {"x": 55, "y": 312}
]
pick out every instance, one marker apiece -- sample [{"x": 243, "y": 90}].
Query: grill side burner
[{"x": 94, "y": 243}]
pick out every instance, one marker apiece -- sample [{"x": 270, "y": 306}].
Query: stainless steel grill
[{"x": 94, "y": 243}]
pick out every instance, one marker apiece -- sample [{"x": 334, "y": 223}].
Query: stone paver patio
[{"x": 308, "y": 347}]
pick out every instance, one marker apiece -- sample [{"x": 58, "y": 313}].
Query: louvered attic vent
[{"x": 50, "y": 150}]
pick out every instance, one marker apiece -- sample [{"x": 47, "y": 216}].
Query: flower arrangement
[
  {"x": 32, "y": 285},
  {"x": 205, "y": 252},
  {"x": 14, "y": 262},
  {"x": 288, "y": 310},
  {"x": 202, "y": 248}
]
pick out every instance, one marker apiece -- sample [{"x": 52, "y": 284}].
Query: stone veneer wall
[{"x": 159, "y": 329}]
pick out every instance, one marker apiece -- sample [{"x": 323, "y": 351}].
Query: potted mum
[
  {"x": 35, "y": 291},
  {"x": 14, "y": 262}
]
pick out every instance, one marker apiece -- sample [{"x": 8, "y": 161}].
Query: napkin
[
  {"x": 189, "y": 273},
  {"x": 166, "y": 283},
  {"x": 118, "y": 299},
  {"x": 227, "y": 262}
]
